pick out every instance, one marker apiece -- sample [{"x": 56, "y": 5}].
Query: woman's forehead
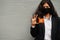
[{"x": 46, "y": 4}]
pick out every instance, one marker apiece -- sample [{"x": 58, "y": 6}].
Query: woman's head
[
  {"x": 46, "y": 6},
  {"x": 46, "y": 3}
]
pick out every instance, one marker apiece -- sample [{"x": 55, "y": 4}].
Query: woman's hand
[{"x": 34, "y": 19}]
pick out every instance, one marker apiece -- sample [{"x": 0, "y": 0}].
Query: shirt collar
[{"x": 49, "y": 18}]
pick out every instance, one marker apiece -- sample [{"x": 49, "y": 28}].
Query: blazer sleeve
[
  {"x": 34, "y": 31},
  {"x": 58, "y": 30}
]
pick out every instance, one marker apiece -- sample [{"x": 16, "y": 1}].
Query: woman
[{"x": 45, "y": 22}]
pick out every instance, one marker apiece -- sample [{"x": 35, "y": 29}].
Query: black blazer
[{"x": 39, "y": 31}]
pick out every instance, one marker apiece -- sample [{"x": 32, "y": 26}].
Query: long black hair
[{"x": 38, "y": 11}]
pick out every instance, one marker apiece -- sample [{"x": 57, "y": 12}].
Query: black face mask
[{"x": 46, "y": 10}]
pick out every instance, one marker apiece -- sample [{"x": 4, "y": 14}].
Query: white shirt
[{"x": 48, "y": 27}]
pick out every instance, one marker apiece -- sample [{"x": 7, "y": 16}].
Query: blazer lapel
[
  {"x": 43, "y": 28},
  {"x": 53, "y": 30}
]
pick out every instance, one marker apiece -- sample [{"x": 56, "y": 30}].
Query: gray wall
[{"x": 15, "y": 18}]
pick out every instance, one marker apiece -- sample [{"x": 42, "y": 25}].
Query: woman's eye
[{"x": 47, "y": 7}]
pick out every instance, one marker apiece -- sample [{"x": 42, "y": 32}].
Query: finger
[
  {"x": 33, "y": 20},
  {"x": 36, "y": 15}
]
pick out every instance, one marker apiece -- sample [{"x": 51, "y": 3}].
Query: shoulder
[
  {"x": 58, "y": 21},
  {"x": 58, "y": 18}
]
